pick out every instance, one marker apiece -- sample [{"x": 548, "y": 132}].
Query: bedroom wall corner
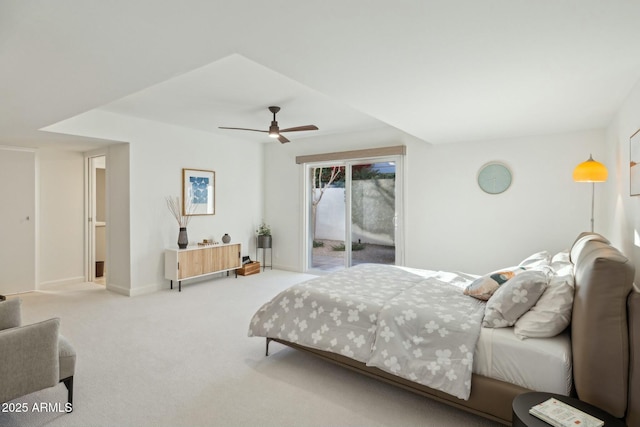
[{"x": 622, "y": 209}]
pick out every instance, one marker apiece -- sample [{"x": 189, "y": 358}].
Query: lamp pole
[{"x": 593, "y": 198}]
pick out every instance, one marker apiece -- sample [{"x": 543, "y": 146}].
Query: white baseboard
[
  {"x": 118, "y": 289},
  {"x": 132, "y": 292},
  {"x": 286, "y": 268},
  {"x": 65, "y": 281}
]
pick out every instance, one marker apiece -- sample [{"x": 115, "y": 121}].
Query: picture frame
[
  {"x": 634, "y": 164},
  {"x": 198, "y": 192}
]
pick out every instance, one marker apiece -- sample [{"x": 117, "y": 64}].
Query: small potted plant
[{"x": 264, "y": 236}]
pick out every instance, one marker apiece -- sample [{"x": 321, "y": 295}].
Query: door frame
[
  {"x": 93, "y": 159},
  {"x": 307, "y": 243}
]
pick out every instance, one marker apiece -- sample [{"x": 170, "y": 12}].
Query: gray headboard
[{"x": 602, "y": 337}]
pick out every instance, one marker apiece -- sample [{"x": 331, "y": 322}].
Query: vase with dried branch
[{"x": 173, "y": 203}]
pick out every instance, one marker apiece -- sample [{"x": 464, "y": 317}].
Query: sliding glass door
[{"x": 353, "y": 211}]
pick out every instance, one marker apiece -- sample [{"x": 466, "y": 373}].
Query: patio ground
[{"x": 326, "y": 258}]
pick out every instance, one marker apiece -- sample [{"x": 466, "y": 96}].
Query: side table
[{"x": 523, "y": 402}]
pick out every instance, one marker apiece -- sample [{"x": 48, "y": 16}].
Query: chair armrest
[
  {"x": 28, "y": 359},
  {"x": 10, "y": 313}
]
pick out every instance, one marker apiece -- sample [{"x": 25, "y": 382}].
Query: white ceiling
[
  {"x": 443, "y": 71},
  {"x": 235, "y": 92}
]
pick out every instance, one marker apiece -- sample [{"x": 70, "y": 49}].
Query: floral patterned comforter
[{"x": 417, "y": 326}]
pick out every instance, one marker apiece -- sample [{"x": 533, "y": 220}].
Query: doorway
[
  {"x": 97, "y": 222},
  {"x": 353, "y": 211}
]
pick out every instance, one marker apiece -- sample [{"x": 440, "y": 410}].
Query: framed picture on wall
[
  {"x": 198, "y": 192},
  {"x": 634, "y": 161}
]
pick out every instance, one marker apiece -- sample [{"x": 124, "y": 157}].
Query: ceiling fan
[{"x": 274, "y": 131}]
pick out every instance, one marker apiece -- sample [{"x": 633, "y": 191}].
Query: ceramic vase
[
  {"x": 183, "y": 241},
  {"x": 226, "y": 238}
]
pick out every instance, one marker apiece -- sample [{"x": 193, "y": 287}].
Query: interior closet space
[{"x": 97, "y": 219}]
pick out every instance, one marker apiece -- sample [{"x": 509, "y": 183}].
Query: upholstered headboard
[
  {"x": 633, "y": 408},
  {"x": 604, "y": 328}
]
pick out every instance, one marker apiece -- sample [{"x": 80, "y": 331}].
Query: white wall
[
  {"x": 450, "y": 224},
  {"x": 61, "y": 213},
  {"x": 118, "y": 218},
  {"x": 143, "y": 172},
  {"x": 453, "y": 225},
  {"x": 623, "y": 211}
]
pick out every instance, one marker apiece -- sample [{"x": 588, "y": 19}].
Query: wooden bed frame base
[{"x": 489, "y": 398}]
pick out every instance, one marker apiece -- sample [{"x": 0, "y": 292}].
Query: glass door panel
[
  {"x": 373, "y": 213},
  {"x": 327, "y": 217}
]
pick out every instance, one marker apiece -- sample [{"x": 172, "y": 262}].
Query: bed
[{"x": 567, "y": 323}]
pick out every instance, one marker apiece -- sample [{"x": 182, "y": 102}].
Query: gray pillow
[
  {"x": 514, "y": 298},
  {"x": 10, "y": 313},
  {"x": 552, "y": 313}
]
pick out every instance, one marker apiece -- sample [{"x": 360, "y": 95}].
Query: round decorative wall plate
[{"x": 494, "y": 178}]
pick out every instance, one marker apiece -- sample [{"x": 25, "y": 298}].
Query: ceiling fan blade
[
  {"x": 274, "y": 130},
  {"x": 298, "y": 128},
  {"x": 253, "y": 130}
]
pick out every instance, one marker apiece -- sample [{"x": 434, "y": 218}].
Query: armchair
[{"x": 32, "y": 357}]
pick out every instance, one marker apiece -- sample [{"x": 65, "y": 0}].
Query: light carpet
[{"x": 184, "y": 359}]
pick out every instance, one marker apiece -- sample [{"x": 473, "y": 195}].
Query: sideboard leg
[
  {"x": 171, "y": 284},
  {"x": 179, "y": 285}
]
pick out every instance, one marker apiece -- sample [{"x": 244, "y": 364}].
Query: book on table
[{"x": 560, "y": 414}]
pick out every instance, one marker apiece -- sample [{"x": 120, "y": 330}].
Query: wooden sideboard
[{"x": 198, "y": 261}]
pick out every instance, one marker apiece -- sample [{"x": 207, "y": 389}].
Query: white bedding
[
  {"x": 420, "y": 328},
  {"x": 540, "y": 364},
  {"x": 537, "y": 364}
]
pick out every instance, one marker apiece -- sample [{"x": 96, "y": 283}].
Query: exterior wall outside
[{"x": 372, "y": 217}]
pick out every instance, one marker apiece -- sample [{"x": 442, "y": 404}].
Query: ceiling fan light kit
[{"x": 274, "y": 131}]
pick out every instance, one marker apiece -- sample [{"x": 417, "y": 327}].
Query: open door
[{"x": 96, "y": 219}]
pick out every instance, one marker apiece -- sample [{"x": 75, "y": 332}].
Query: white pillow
[
  {"x": 515, "y": 298},
  {"x": 560, "y": 258},
  {"x": 552, "y": 313},
  {"x": 538, "y": 259}
]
